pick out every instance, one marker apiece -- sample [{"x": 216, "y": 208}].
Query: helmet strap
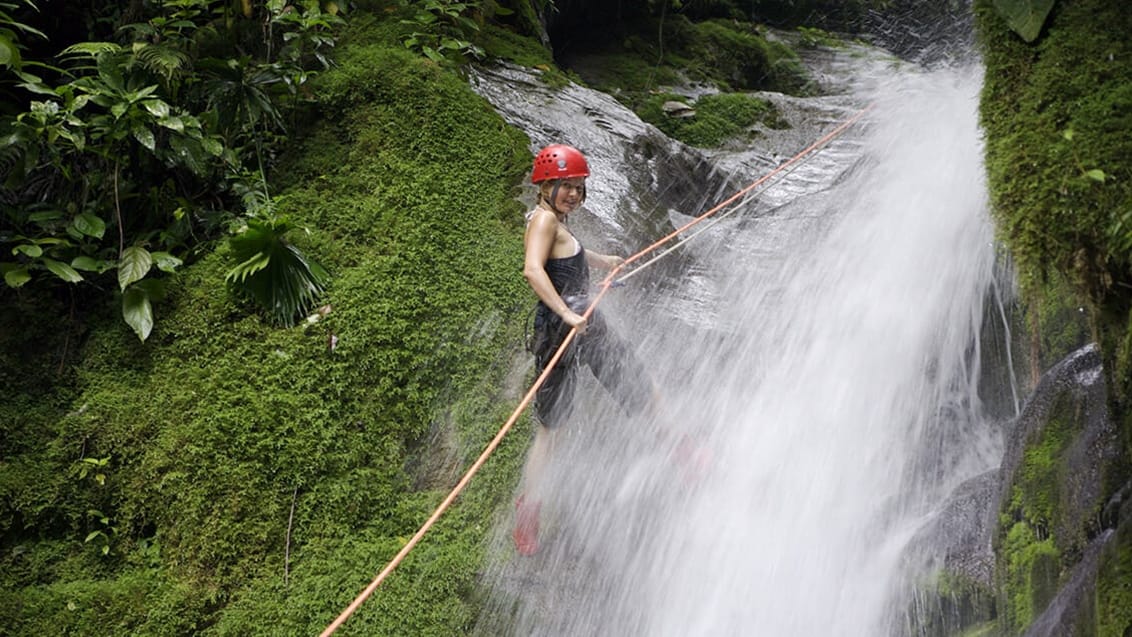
[{"x": 554, "y": 196}]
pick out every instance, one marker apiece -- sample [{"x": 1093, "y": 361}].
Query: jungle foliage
[
  {"x": 228, "y": 477},
  {"x": 127, "y": 149},
  {"x": 232, "y": 476},
  {"x": 1056, "y": 107},
  {"x": 1057, "y": 116},
  {"x": 131, "y": 146}
]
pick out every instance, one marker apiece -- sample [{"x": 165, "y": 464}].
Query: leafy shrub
[
  {"x": 220, "y": 424},
  {"x": 124, "y": 158}
]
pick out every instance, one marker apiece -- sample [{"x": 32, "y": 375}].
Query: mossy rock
[
  {"x": 985, "y": 629},
  {"x": 1060, "y": 466},
  {"x": 712, "y": 119},
  {"x": 1056, "y": 112},
  {"x": 1114, "y": 581},
  {"x": 1030, "y": 573},
  {"x": 258, "y": 476},
  {"x": 952, "y": 604}
]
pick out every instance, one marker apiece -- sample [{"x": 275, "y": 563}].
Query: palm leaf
[{"x": 281, "y": 280}]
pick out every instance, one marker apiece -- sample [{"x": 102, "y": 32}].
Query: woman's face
[{"x": 571, "y": 193}]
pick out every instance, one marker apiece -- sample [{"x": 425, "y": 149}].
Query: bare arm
[
  {"x": 603, "y": 261},
  {"x": 539, "y": 241}
]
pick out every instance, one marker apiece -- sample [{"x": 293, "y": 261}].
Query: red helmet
[{"x": 559, "y": 161}]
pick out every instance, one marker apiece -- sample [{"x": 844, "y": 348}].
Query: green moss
[
  {"x": 1114, "y": 583},
  {"x": 1037, "y": 482},
  {"x": 1054, "y": 111},
  {"x": 630, "y": 65},
  {"x": 1030, "y": 574},
  {"x": 746, "y": 60},
  {"x": 1038, "y": 539},
  {"x": 985, "y": 629},
  {"x": 505, "y": 44},
  {"x": 1058, "y": 323},
  {"x": 141, "y": 602},
  {"x": 1030, "y": 549},
  {"x": 219, "y": 426},
  {"x": 624, "y": 75},
  {"x": 728, "y": 54},
  {"x": 813, "y": 38},
  {"x": 718, "y": 117},
  {"x": 1056, "y": 114}
]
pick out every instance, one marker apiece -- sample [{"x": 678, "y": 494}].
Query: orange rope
[
  {"x": 758, "y": 182},
  {"x": 456, "y": 490},
  {"x": 529, "y": 396}
]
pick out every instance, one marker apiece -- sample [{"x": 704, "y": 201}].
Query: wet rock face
[
  {"x": 1059, "y": 470},
  {"x": 957, "y": 545},
  {"x": 638, "y": 177},
  {"x": 962, "y": 530},
  {"x": 1041, "y": 535},
  {"x": 1065, "y": 422},
  {"x": 927, "y": 32},
  {"x": 636, "y": 173},
  {"x": 1070, "y": 612},
  {"x": 644, "y": 185}
]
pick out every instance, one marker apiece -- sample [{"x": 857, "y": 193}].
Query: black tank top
[{"x": 570, "y": 275}]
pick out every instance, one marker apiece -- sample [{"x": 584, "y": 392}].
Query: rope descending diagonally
[{"x": 610, "y": 279}]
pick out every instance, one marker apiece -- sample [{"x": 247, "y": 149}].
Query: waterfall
[
  {"x": 829, "y": 389},
  {"x": 847, "y": 406}
]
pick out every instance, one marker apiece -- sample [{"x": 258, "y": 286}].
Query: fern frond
[
  {"x": 161, "y": 60},
  {"x": 90, "y": 49},
  {"x": 11, "y": 164}
]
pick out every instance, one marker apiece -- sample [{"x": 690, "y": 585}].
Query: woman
[{"x": 557, "y": 268}]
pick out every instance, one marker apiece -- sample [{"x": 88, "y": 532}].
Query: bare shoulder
[
  {"x": 540, "y": 220},
  {"x": 541, "y": 215}
]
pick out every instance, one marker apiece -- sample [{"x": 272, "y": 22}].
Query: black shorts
[{"x": 608, "y": 356}]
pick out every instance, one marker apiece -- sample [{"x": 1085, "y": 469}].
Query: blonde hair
[{"x": 544, "y": 189}]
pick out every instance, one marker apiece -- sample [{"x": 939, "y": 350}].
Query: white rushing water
[
  {"x": 846, "y": 364},
  {"x": 833, "y": 399}
]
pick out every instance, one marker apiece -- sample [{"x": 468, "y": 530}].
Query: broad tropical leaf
[
  {"x": 9, "y": 53},
  {"x": 133, "y": 266},
  {"x": 16, "y": 277},
  {"x": 275, "y": 274},
  {"x": 166, "y": 262},
  {"x": 62, "y": 270},
  {"x": 137, "y": 310},
  {"x": 1025, "y": 17},
  {"x": 89, "y": 264},
  {"x": 89, "y": 224},
  {"x": 137, "y": 305}
]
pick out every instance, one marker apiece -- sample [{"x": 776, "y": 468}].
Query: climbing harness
[{"x": 611, "y": 280}]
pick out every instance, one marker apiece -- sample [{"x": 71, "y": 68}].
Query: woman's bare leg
[
  {"x": 534, "y": 487},
  {"x": 538, "y": 458}
]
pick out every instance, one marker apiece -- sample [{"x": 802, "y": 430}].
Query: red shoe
[{"x": 526, "y": 526}]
